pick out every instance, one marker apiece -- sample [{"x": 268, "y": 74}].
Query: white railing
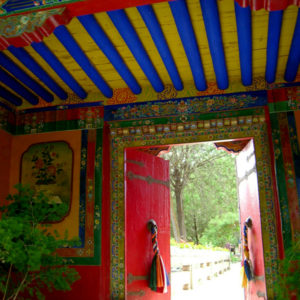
[{"x": 192, "y": 266}]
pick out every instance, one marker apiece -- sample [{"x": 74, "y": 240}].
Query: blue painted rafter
[
  {"x": 62, "y": 33},
  {"x": 274, "y": 29},
  {"x": 158, "y": 37},
  {"x": 58, "y": 67},
  {"x": 213, "y": 31},
  {"x": 14, "y": 85},
  {"x": 22, "y": 55},
  {"x": 294, "y": 55},
  {"x": 188, "y": 39},
  {"x": 94, "y": 29},
  {"x": 9, "y": 96},
  {"x": 23, "y": 77},
  {"x": 244, "y": 30},
  {"x": 125, "y": 28}
]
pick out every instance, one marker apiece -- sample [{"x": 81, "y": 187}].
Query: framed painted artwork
[{"x": 48, "y": 169}]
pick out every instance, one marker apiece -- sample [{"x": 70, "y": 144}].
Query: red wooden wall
[{"x": 6, "y": 144}]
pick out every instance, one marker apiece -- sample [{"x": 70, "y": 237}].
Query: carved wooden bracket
[{"x": 22, "y": 30}]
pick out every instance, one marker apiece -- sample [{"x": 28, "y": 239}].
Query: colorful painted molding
[
  {"x": 17, "y": 25},
  {"x": 8, "y": 7}
]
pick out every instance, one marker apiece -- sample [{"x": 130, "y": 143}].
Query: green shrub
[
  {"x": 28, "y": 261},
  {"x": 287, "y": 284}
]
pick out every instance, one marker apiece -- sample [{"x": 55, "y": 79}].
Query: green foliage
[
  {"x": 209, "y": 193},
  {"x": 28, "y": 261},
  {"x": 289, "y": 273},
  {"x": 34, "y": 208},
  {"x": 222, "y": 230}
]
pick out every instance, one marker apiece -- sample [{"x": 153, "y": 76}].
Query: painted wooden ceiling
[{"x": 159, "y": 51}]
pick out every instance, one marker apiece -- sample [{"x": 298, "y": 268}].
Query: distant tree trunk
[
  {"x": 174, "y": 223},
  {"x": 195, "y": 229},
  {"x": 180, "y": 213},
  {"x": 183, "y": 162}
]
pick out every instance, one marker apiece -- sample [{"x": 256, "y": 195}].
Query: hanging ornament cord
[
  {"x": 246, "y": 270},
  {"x": 159, "y": 280}
]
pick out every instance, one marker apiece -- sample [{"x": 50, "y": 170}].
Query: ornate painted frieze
[
  {"x": 286, "y": 152},
  {"x": 185, "y": 106},
  {"x": 8, "y": 7},
  {"x": 17, "y": 25},
  {"x": 152, "y": 128},
  {"x": 59, "y": 119},
  {"x": 7, "y": 119},
  {"x": 285, "y": 99}
]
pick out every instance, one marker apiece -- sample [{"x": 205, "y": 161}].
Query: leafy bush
[
  {"x": 28, "y": 262},
  {"x": 287, "y": 286}
]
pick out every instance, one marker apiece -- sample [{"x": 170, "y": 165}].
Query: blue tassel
[
  {"x": 247, "y": 270},
  {"x": 245, "y": 231}
]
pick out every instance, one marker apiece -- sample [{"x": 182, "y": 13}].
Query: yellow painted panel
[
  {"x": 260, "y": 21},
  {"x": 28, "y": 72},
  {"x": 95, "y": 55},
  {"x": 69, "y": 63},
  {"x": 21, "y": 144},
  {"x": 116, "y": 39},
  {"x": 48, "y": 69},
  {"x": 230, "y": 39},
  {"x": 6, "y": 102},
  {"x": 199, "y": 29},
  {"x": 168, "y": 26},
  {"x": 146, "y": 39}
]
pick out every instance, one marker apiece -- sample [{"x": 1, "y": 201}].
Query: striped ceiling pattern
[{"x": 179, "y": 43}]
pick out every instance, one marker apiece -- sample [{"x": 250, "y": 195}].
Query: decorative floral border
[
  {"x": 185, "y": 106},
  {"x": 286, "y": 158},
  {"x": 61, "y": 118},
  {"x": 7, "y": 119},
  {"x": 122, "y": 138},
  {"x": 88, "y": 252}
]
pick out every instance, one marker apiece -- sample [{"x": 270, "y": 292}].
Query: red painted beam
[{"x": 93, "y": 6}]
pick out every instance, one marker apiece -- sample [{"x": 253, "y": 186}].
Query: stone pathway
[{"x": 226, "y": 286}]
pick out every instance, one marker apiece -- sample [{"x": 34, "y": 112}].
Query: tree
[
  {"x": 184, "y": 161},
  {"x": 222, "y": 230},
  {"x": 211, "y": 193},
  {"x": 28, "y": 262}
]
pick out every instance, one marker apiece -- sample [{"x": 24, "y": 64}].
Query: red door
[
  {"x": 147, "y": 196},
  {"x": 249, "y": 207}
]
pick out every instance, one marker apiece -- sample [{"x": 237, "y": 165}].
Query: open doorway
[
  {"x": 147, "y": 196},
  {"x": 205, "y": 221},
  {"x": 150, "y": 135},
  {"x": 207, "y": 246}
]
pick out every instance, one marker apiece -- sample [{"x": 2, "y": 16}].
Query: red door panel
[
  {"x": 147, "y": 196},
  {"x": 249, "y": 207}
]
